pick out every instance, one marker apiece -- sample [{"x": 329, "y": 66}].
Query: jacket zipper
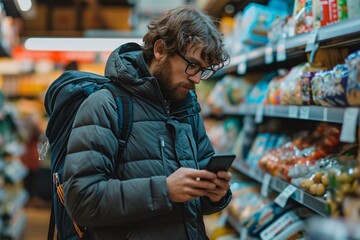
[{"x": 162, "y": 149}]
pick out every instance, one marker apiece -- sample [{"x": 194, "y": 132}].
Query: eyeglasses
[{"x": 193, "y": 68}]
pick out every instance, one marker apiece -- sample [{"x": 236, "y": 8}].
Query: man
[{"x": 157, "y": 188}]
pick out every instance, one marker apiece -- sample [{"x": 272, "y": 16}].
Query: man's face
[{"x": 174, "y": 83}]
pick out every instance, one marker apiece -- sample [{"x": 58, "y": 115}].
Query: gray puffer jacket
[{"x": 127, "y": 198}]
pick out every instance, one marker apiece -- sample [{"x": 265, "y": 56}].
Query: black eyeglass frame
[{"x": 208, "y": 71}]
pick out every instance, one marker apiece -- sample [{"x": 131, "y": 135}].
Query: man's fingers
[
  {"x": 203, "y": 174},
  {"x": 224, "y": 175}
]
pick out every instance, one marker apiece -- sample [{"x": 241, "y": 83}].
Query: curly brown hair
[{"x": 187, "y": 27}]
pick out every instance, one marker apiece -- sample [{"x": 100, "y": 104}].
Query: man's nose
[{"x": 196, "y": 78}]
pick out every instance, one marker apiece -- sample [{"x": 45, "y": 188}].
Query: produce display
[{"x": 304, "y": 149}]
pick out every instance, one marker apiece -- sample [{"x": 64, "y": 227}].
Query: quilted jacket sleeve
[
  {"x": 93, "y": 195},
  {"x": 205, "y": 151}
]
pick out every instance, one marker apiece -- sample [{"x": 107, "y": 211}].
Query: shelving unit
[
  {"x": 13, "y": 195},
  {"x": 344, "y": 35}
]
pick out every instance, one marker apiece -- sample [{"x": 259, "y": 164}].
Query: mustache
[{"x": 190, "y": 86}]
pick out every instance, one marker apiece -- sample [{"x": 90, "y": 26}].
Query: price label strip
[
  {"x": 272, "y": 110},
  {"x": 259, "y": 113},
  {"x": 304, "y": 112},
  {"x": 349, "y": 126},
  {"x": 312, "y": 38},
  {"x": 312, "y": 45},
  {"x": 325, "y": 114},
  {"x": 269, "y": 58},
  {"x": 283, "y": 197},
  {"x": 241, "y": 68},
  {"x": 281, "y": 50},
  {"x": 299, "y": 196},
  {"x": 257, "y": 174},
  {"x": 293, "y": 111},
  {"x": 243, "y": 233},
  {"x": 265, "y": 185},
  {"x": 313, "y": 52}
]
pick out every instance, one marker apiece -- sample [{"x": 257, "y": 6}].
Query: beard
[{"x": 169, "y": 90}]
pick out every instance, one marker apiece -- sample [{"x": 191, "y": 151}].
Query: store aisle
[{"x": 37, "y": 223}]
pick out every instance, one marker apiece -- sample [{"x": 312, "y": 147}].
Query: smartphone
[{"x": 220, "y": 162}]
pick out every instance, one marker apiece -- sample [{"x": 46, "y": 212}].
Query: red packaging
[
  {"x": 334, "y": 11},
  {"x": 325, "y": 19}
]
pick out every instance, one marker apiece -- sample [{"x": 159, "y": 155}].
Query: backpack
[{"x": 62, "y": 100}]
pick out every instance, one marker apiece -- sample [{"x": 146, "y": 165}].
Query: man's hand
[
  {"x": 222, "y": 183},
  {"x": 185, "y": 184}
]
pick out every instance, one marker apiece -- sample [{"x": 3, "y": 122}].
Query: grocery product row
[{"x": 261, "y": 36}]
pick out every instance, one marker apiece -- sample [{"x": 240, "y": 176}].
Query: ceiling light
[
  {"x": 77, "y": 44},
  {"x": 25, "y": 5}
]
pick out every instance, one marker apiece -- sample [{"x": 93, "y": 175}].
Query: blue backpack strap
[{"x": 124, "y": 106}]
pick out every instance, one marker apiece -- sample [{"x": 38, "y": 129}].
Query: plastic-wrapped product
[
  {"x": 227, "y": 93},
  {"x": 306, "y": 92},
  {"x": 336, "y": 93},
  {"x": 256, "y": 23},
  {"x": 258, "y": 93},
  {"x": 320, "y": 228},
  {"x": 291, "y": 86},
  {"x": 319, "y": 83},
  {"x": 284, "y": 227},
  {"x": 329, "y": 87},
  {"x": 264, "y": 217},
  {"x": 245, "y": 205},
  {"x": 353, "y": 7},
  {"x": 273, "y": 93},
  {"x": 299, "y": 16},
  {"x": 353, "y": 86},
  {"x": 258, "y": 148}
]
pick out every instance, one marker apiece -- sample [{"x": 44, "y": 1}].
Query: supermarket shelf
[
  {"x": 15, "y": 172},
  {"x": 337, "y": 34},
  {"x": 315, "y": 203},
  {"x": 2, "y": 196},
  {"x": 16, "y": 228},
  {"x": 315, "y": 113},
  {"x": 14, "y": 202}
]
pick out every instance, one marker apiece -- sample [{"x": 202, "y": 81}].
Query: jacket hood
[{"x": 127, "y": 67}]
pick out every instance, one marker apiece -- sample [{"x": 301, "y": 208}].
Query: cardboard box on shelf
[
  {"x": 328, "y": 57},
  {"x": 66, "y": 19}
]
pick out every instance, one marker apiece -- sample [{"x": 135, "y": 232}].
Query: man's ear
[{"x": 159, "y": 49}]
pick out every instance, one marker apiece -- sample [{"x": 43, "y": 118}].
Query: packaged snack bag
[{"x": 353, "y": 85}]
